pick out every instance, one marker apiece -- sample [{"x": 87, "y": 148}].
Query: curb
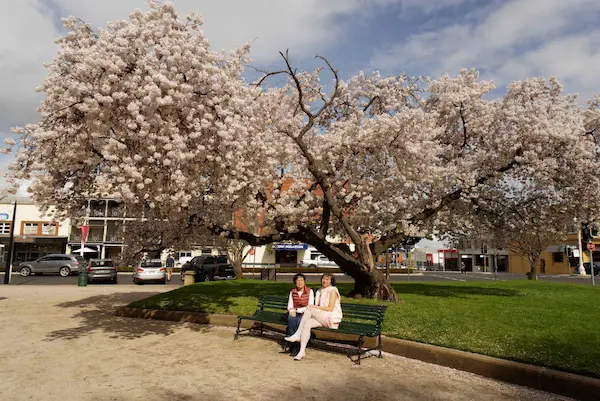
[{"x": 545, "y": 379}]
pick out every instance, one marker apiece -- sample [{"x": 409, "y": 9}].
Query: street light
[
  {"x": 11, "y": 251},
  {"x": 581, "y": 269}
]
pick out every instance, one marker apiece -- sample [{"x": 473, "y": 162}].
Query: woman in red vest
[
  {"x": 327, "y": 312},
  {"x": 300, "y": 298}
]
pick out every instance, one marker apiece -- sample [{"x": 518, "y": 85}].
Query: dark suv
[
  {"x": 209, "y": 268},
  {"x": 56, "y": 263}
]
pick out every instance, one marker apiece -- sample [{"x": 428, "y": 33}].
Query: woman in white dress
[{"x": 327, "y": 312}]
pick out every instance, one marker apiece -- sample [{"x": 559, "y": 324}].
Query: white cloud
[
  {"x": 518, "y": 39},
  {"x": 26, "y": 43},
  {"x": 272, "y": 25}
]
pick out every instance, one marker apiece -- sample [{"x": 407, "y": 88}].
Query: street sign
[{"x": 591, "y": 246}]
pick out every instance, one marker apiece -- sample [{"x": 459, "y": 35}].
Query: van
[{"x": 316, "y": 259}]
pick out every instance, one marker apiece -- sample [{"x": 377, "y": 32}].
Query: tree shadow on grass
[
  {"x": 97, "y": 313},
  {"x": 452, "y": 291},
  {"x": 212, "y": 297}
]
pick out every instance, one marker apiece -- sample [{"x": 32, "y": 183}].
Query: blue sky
[{"x": 505, "y": 39}]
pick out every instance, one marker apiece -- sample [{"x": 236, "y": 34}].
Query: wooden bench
[{"x": 359, "y": 319}]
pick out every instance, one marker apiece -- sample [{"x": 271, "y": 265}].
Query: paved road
[{"x": 125, "y": 278}]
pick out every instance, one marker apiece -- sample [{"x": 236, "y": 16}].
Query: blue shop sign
[
  {"x": 290, "y": 247},
  {"x": 4, "y": 216}
]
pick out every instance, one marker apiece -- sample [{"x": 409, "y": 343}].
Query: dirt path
[{"x": 66, "y": 344}]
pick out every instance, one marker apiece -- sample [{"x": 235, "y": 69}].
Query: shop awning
[{"x": 85, "y": 250}]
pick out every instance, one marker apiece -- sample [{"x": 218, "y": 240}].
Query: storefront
[
  {"x": 28, "y": 248},
  {"x": 287, "y": 254}
]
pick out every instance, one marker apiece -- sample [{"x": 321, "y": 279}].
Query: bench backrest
[{"x": 357, "y": 312}]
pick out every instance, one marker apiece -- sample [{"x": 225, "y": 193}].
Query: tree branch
[{"x": 325, "y": 218}]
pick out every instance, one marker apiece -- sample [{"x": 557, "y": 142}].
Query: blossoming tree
[{"x": 146, "y": 111}]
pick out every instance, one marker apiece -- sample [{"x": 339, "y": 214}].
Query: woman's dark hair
[
  {"x": 297, "y": 275},
  {"x": 331, "y": 276}
]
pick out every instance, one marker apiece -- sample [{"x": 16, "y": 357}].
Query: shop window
[
  {"x": 5, "y": 227},
  {"x": 49, "y": 228},
  {"x": 557, "y": 257},
  {"x": 30, "y": 228}
]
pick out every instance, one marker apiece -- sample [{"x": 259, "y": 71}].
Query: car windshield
[
  {"x": 104, "y": 263},
  {"x": 221, "y": 259},
  {"x": 151, "y": 263}
]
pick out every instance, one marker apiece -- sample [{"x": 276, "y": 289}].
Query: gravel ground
[{"x": 66, "y": 344}]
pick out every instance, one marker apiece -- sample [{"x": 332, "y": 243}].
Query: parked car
[
  {"x": 209, "y": 268},
  {"x": 319, "y": 261},
  {"x": 62, "y": 264},
  {"x": 101, "y": 270},
  {"x": 586, "y": 266},
  {"x": 150, "y": 270}
]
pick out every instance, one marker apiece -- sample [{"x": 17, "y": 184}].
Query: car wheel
[
  {"x": 311, "y": 266},
  {"x": 25, "y": 271},
  {"x": 206, "y": 276},
  {"x": 64, "y": 271}
]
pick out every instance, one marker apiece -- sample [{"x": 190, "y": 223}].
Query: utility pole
[
  {"x": 11, "y": 241},
  {"x": 581, "y": 268},
  {"x": 592, "y": 268}
]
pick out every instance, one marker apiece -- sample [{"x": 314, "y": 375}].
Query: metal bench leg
[
  {"x": 262, "y": 326},
  {"x": 237, "y": 332},
  {"x": 380, "y": 346},
  {"x": 360, "y": 343}
]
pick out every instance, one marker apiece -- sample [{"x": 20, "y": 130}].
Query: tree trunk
[
  {"x": 237, "y": 268},
  {"x": 372, "y": 285},
  {"x": 360, "y": 265},
  {"x": 532, "y": 274}
]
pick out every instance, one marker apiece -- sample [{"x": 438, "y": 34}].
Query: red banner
[{"x": 85, "y": 230}]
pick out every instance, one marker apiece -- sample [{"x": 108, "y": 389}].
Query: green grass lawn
[{"x": 547, "y": 324}]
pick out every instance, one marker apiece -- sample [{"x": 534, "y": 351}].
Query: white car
[
  {"x": 319, "y": 261},
  {"x": 150, "y": 270}
]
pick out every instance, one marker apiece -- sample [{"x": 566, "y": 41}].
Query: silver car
[
  {"x": 55, "y": 263},
  {"x": 102, "y": 270},
  {"x": 150, "y": 270}
]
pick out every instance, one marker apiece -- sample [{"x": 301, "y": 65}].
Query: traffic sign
[{"x": 591, "y": 246}]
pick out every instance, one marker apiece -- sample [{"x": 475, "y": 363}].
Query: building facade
[
  {"x": 478, "y": 256},
  {"x": 105, "y": 238},
  {"x": 35, "y": 234}
]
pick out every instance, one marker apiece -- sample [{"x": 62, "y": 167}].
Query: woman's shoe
[
  {"x": 299, "y": 356},
  {"x": 292, "y": 339}
]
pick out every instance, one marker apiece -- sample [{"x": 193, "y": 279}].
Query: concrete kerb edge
[{"x": 550, "y": 380}]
